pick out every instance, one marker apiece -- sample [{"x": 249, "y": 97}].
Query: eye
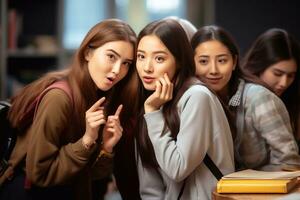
[
  {"x": 127, "y": 64},
  {"x": 278, "y": 74},
  {"x": 159, "y": 59},
  {"x": 292, "y": 76},
  {"x": 223, "y": 60},
  {"x": 140, "y": 56},
  {"x": 203, "y": 61},
  {"x": 111, "y": 57}
]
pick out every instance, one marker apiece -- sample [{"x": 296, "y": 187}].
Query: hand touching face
[
  {"x": 153, "y": 61},
  {"x": 162, "y": 94}
]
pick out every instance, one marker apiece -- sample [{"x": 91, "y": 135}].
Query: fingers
[
  {"x": 96, "y": 105},
  {"x": 166, "y": 88},
  {"x": 119, "y": 110}
]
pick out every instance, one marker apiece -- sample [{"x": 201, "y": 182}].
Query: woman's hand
[
  {"x": 112, "y": 131},
  {"x": 162, "y": 94},
  {"x": 94, "y": 117}
]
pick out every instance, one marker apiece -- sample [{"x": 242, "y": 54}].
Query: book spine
[{"x": 240, "y": 187}]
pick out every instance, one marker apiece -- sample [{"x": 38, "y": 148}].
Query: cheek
[{"x": 200, "y": 71}]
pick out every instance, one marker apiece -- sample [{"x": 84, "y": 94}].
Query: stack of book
[{"x": 253, "y": 181}]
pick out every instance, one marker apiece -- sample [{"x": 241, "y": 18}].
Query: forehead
[
  {"x": 212, "y": 47},
  {"x": 151, "y": 43},
  {"x": 287, "y": 66},
  {"x": 123, "y": 48}
]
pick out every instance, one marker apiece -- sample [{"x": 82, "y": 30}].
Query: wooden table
[{"x": 217, "y": 196}]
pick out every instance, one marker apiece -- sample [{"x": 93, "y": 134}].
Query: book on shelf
[{"x": 253, "y": 181}]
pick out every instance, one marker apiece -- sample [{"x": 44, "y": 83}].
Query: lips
[
  {"x": 110, "y": 79},
  {"x": 148, "y": 79},
  {"x": 213, "y": 80}
]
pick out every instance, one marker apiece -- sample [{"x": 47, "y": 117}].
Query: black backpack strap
[{"x": 211, "y": 166}]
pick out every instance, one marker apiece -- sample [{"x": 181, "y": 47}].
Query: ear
[
  {"x": 88, "y": 54},
  {"x": 235, "y": 58}
]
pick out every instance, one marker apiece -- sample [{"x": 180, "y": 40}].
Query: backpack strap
[
  {"x": 63, "y": 85},
  {"x": 211, "y": 166}
]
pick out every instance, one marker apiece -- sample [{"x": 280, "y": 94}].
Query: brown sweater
[{"x": 54, "y": 152}]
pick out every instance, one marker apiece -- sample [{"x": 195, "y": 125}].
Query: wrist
[
  {"x": 107, "y": 149},
  {"x": 88, "y": 142},
  {"x": 149, "y": 109}
]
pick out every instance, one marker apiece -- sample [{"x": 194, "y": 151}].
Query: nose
[
  {"x": 284, "y": 82},
  {"x": 148, "y": 66},
  {"x": 116, "y": 68},
  {"x": 213, "y": 68}
]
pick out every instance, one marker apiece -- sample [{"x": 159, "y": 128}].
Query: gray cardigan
[{"x": 203, "y": 129}]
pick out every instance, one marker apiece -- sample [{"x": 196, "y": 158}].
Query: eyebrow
[
  {"x": 206, "y": 56},
  {"x": 278, "y": 70},
  {"x": 155, "y": 52},
  {"x": 119, "y": 55}
]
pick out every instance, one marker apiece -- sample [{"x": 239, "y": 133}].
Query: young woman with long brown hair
[{"x": 70, "y": 140}]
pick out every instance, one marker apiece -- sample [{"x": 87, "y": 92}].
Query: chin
[{"x": 149, "y": 87}]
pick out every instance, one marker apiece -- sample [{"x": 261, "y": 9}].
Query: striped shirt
[{"x": 266, "y": 141}]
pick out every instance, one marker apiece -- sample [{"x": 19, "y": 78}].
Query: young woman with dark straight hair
[{"x": 180, "y": 120}]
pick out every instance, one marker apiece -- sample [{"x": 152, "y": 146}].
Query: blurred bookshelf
[
  {"x": 30, "y": 41},
  {"x": 40, "y": 36}
]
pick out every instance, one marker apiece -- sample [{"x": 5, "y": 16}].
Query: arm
[
  {"x": 48, "y": 161},
  {"x": 271, "y": 119},
  {"x": 178, "y": 159}
]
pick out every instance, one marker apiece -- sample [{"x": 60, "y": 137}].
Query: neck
[{"x": 223, "y": 94}]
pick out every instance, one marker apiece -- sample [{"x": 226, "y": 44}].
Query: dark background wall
[{"x": 246, "y": 19}]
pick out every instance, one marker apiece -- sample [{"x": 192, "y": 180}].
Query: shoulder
[
  {"x": 197, "y": 90},
  {"x": 257, "y": 92},
  {"x": 55, "y": 99},
  {"x": 198, "y": 96},
  {"x": 257, "y": 95}
]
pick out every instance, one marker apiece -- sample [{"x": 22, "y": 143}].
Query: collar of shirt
[{"x": 235, "y": 100}]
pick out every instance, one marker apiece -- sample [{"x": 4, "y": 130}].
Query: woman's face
[
  {"x": 280, "y": 75},
  {"x": 109, "y": 63},
  {"x": 214, "y": 64},
  {"x": 153, "y": 61}
]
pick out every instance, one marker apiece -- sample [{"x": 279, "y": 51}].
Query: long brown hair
[
  {"x": 174, "y": 38},
  {"x": 84, "y": 90}
]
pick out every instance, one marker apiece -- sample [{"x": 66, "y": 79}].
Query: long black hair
[{"x": 174, "y": 38}]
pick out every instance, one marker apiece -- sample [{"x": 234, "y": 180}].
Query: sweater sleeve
[
  {"x": 179, "y": 158},
  {"x": 48, "y": 161},
  {"x": 151, "y": 183},
  {"x": 271, "y": 119}
]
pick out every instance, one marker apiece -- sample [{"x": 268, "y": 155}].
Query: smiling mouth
[{"x": 213, "y": 80}]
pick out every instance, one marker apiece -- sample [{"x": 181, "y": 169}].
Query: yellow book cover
[
  {"x": 253, "y": 181},
  {"x": 256, "y": 186}
]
